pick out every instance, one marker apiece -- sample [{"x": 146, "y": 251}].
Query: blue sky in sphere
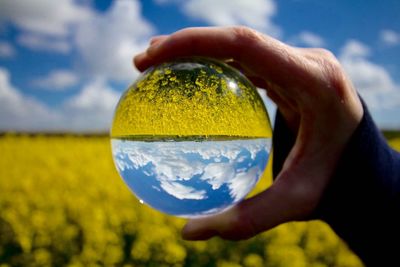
[
  {"x": 64, "y": 64},
  {"x": 191, "y": 177}
]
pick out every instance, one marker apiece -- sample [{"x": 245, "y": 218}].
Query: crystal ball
[{"x": 191, "y": 137}]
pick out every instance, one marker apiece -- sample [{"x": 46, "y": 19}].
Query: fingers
[
  {"x": 258, "y": 54},
  {"x": 234, "y": 224},
  {"x": 278, "y": 204},
  {"x": 305, "y": 84},
  {"x": 141, "y": 58},
  {"x": 157, "y": 38},
  {"x": 293, "y": 196}
]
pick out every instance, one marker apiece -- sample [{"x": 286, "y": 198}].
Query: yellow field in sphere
[
  {"x": 63, "y": 204},
  {"x": 185, "y": 98}
]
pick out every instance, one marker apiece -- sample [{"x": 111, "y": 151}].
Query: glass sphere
[{"x": 191, "y": 137}]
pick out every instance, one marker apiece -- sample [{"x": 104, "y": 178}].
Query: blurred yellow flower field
[{"x": 62, "y": 203}]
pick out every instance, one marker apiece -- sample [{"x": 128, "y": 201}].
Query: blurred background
[{"x": 64, "y": 65}]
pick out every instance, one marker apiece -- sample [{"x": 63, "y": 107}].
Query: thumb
[{"x": 248, "y": 218}]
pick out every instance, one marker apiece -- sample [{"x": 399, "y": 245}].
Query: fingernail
[
  {"x": 155, "y": 43},
  {"x": 156, "y": 38},
  {"x": 138, "y": 60},
  {"x": 153, "y": 48}
]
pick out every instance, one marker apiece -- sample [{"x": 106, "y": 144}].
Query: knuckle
[
  {"x": 335, "y": 75},
  {"x": 331, "y": 72},
  {"x": 244, "y": 34},
  {"x": 327, "y": 59},
  {"x": 325, "y": 53},
  {"x": 323, "y": 56}
]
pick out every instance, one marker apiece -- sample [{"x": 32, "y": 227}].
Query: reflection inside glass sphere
[{"x": 191, "y": 137}]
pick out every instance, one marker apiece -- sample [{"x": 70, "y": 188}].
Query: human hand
[{"x": 316, "y": 99}]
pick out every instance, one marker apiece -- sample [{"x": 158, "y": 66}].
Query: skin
[{"x": 316, "y": 99}]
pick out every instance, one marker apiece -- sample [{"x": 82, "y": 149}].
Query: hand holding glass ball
[
  {"x": 191, "y": 137},
  {"x": 316, "y": 102}
]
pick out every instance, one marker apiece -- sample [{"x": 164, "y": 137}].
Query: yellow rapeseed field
[{"x": 62, "y": 203}]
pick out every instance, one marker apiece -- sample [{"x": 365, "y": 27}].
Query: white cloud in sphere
[{"x": 170, "y": 164}]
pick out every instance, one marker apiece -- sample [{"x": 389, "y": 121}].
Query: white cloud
[
  {"x": 218, "y": 174},
  {"x": 173, "y": 162},
  {"x": 167, "y": 159},
  {"x": 45, "y": 25},
  {"x": 107, "y": 42},
  {"x": 57, "y": 80},
  {"x": 243, "y": 182},
  {"x": 354, "y": 49},
  {"x": 308, "y": 39},
  {"x": 6, "y": 50},
  {"x": 256, "y": 13},
  {"x": 44, "y": 16},
  {"x": 38, "y": 42},
  {"x": 163, "y": 2},
  {"x": 92, "y": 109},
  {"x": 373, "y": 81},
  {"x": 89, "y": 110},
  {"x": 181, "y": 191},
  {"x": 19, "y": 112},
  {"x": 176, "y": 167},
  {"x": 390, "y": 37}
]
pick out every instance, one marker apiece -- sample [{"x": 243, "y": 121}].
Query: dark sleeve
[{"x": 362, "y": 201}]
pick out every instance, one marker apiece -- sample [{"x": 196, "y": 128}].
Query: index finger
[{"x": 260, "y": 55}]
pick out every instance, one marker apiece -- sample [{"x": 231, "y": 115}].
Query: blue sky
[{"x": 65, "y": 63}]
